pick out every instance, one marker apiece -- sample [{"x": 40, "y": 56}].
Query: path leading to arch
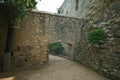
[{"x": 57, "y": 69}]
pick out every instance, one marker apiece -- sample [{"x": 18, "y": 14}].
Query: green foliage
[
  {"x": 14, "y": 10},
  {"x": 97, "y": 36},
  {"x": 55, "y": 48}
]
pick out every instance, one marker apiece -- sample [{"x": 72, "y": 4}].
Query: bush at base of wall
[{"x": 55, "y": 48}]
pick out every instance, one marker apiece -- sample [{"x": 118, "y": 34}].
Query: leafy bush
[
  {"x": 97, "y": 36},
  {"x": 55, "y": 48}
]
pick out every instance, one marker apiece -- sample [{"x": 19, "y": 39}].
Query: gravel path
[{"x": 57, "y": 69}]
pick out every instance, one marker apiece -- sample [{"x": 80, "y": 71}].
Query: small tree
[
  {"x": 97, "y": 36},
  {"x": 14, "y": 11}
]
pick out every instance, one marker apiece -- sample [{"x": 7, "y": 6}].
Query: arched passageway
[{"x": 61, "y": 48}]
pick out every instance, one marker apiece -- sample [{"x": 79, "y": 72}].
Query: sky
[{"x": 49, "y": 5}]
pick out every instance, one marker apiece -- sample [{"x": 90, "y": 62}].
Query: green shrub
[
  {"x": 97, "y": 36},
  {"x": 55, "y": 48}
]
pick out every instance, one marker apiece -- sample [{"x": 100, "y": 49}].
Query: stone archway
[{"x": 68, "y": 49}]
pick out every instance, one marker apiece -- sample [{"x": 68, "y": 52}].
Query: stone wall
[
  {"x": 68, "y": 50},
  {"x": 104, "y": 14},
  {"x": 37, "y": 31},
  {"x": 74, "y": 8},
  {"x": 40, "y": 29},
  {"x": 27, "y": 46}
]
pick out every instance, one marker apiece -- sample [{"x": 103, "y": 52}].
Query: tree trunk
[{"x": 7, "y": 55}]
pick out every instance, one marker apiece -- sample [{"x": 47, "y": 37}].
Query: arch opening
[{"x": 60, "y": 48}]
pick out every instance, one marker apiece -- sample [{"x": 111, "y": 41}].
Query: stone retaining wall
[{"x": 105, "y": 61}]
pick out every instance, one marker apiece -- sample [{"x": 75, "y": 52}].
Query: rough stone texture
[
  {"x": 68, "y": 8},
  {"x": 37, "y": 31},
  {"x": 104, "y": 14},
  {"x": 68, "y": 50},
  {"x": 40, "y": 29}
]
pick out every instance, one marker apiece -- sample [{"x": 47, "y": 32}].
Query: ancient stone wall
[
  {"x": 37, "y": 31},
  {"x": 107, "y": 60},
  {"x": 40, "y": 29}
]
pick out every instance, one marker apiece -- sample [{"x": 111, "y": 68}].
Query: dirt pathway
[{"x": 57, "y": 69}]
